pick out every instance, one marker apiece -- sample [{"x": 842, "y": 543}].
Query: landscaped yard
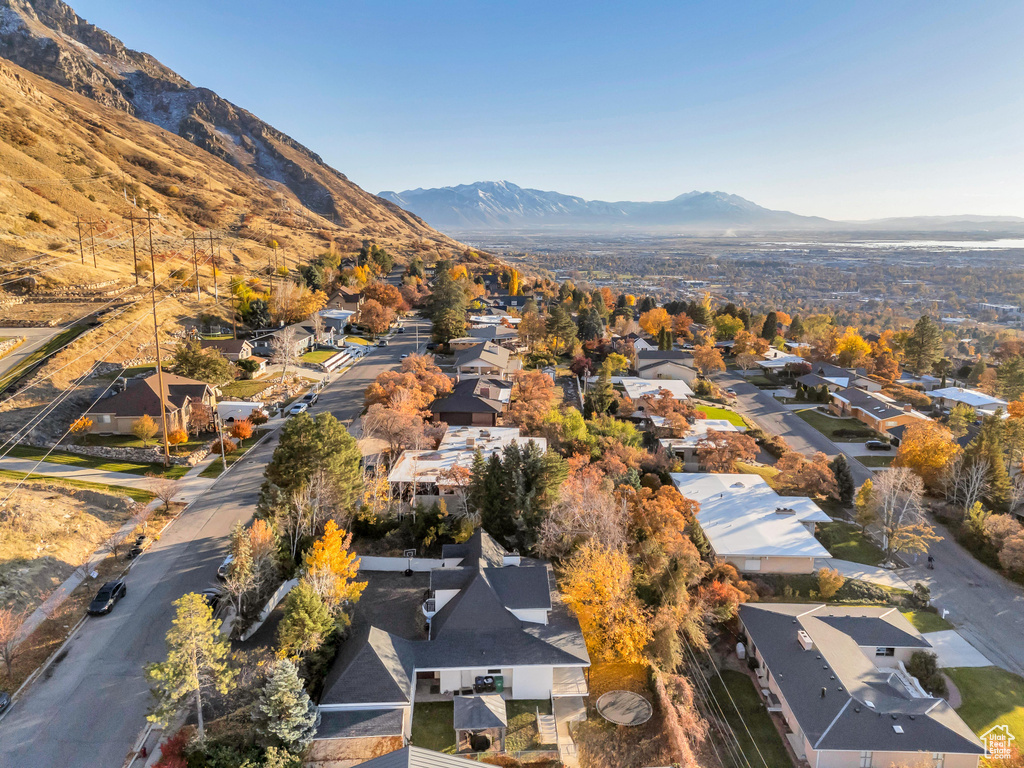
[
  {"x": 245, "y": 388},
  {"x": 828, "y": 425},
  {"x": 722, "y": 413},
  {"x": 926, "y": 621},
  {"x": 93, "y": 462},
  {"x": 848, "y": 542},
  {"x": 319, "y": 355},
  {"x": 131, "y": 441},
  {"x": 766, "y": 748},
  {"x": 522, "y": 732},
  {"x": 433, "y": 726},
  {"x": 883, "y": 460},
  {"x": 217, "y": 467},
  {"x": 991, "y": 696}
]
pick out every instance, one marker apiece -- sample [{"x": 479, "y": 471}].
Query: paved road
[
  {"x": 91, "y": 710},
  {"x": 777, "y": 419},
  {"x": 34, "y": 339}
]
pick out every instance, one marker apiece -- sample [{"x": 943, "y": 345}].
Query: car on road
[
  {"x": 223, "y": 568},
  {"x": 310, "y": 398},
  {"x": 298, "y": 408},
  {"x": 403, "y": 357},
  {"x": 5, "y": 700},
  {"x": 107, "y": 597},
  {"x": 877, "y": 445},
  {"x": 730, "y": 391},
  {"x": 382, "y": 343},
  {"x": 401, "y": 330}
]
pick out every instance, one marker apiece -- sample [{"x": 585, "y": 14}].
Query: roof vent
[
  {"x": 784, "y": 511},
  {"x": 898, "y": 728},
  {"x": 805, "y": 640},
  {"x": 870, "y": 704},
  {"x": 856, "y": 709}
]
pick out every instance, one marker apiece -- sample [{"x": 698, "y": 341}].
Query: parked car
[
  {"x": 5, "y": 700},
  {"x": 382, "y": 343},
  {"x": 403, "y": 357},
  {"x": 401, "y": 330},
  {"x": 298, "y": 408},
  {"x": 877, "y": 445},
  {"x": 107, "y": 597},
  {"x": 730, "y": 391},
  {"x": 222, "y": 569},
  {"x": 310, "y": 398},
  {"x": 212, "y": 597}
]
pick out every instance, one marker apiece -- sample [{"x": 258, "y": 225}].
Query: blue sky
[{"x": 840, "y": 109}]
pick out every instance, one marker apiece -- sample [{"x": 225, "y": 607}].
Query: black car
[
  {"x": 877, "y": 445},
  {"x": 107, "y": 597},
  {"x": 401, "y": 330},
  {"x": 212, "y": 597},
  {"x": 5, "y": 700}
]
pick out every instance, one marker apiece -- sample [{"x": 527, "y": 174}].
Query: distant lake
[{"x": 922, "y": 245}]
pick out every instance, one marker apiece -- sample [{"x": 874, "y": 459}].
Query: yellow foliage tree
[
  {"x": 331, "y": 570},
  {"x": 851, "y": 348},
  {"x": 145, "y": 428},
  {"x": 598, "y": 586},
  {"x": 927, "y": 449},
  {"x": 80, "y": 425},
  {"x": 655, "y": 320}
]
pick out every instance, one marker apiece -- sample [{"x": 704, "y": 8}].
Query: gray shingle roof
[
  {"x": 373, "y": 667},
  {"x": 359, "y": 723},
  {"x": 416, "y": 757},
  {"x": 480, "y": 548},
  {"x": 476, "y": 713},
  {"x": 842, "y": 719},
  {"x": 465, "y": 398},
  {"x": 486, "y": 353}
]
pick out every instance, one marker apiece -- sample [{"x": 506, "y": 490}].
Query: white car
[
  {"x": 298, "y": 408},
  {"x": 403, "y": 357}
]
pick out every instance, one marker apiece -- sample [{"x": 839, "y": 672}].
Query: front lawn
[
  {"x": 991, "y": 696},
  {"x": 245, "y": 388},
  {"x": 522, "y": 734},
  {"x": 926, "y": 621},
  {"x": 876, "y": 461},
  {"x": 433, "y": 726},
  {"x": 131, "y": 441},
  {"x": 766, "y": 747},
  {"x": 319, "y": 355},
  {"x": 94, "y": 462},
  {"x": 848, "y": 542},
  {"x": 713, "y": 412},
  {"x": 217, "y": 467},
  {"x": 829, "y": 425},
  {"x": 768, "y": 473}
]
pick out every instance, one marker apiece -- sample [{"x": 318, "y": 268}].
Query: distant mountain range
[{"x": 501, "y": 205}]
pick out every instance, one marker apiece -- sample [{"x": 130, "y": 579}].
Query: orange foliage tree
[
  {"x": 797, "y": 475},
  {"x": 414, "y": 386},
  {"x": 707, "y": 359},
  {"x": 719, "y": 451},
  {"x": 241, "y": 430},
  {"x": 927, "y": 448},
  {"x": 655, "y": 320},
  {"x": 533, "y": 396}
]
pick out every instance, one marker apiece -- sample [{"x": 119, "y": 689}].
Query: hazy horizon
[{"x": 847, "y": 112}]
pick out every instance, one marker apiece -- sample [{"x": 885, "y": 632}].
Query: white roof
[
  {"x": 780, "y": 362},
  {"x": 742, "y": 515},
  {"x": 457, "y": 448},
  {"x": 698, "y": 431},
  {"x": 494, "y": 319},
  {"x": 337, "y": 314},
  {"x": 637, "y": 388},
  {"x": 971, "y": 397}
]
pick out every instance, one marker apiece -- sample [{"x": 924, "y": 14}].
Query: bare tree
[
  {"x": 897, "y": 495},
  {"x": 967, "y": 481},
  {"x": 586, "y": 511},
  {"x": 318, "y": 326},
  {"x": 10, "y": 637},
  {"x": 399, "y": 428},
  {"x": 164, "y": 488},
  {"x": 241, "y": 578},
  {"x": 284, "y": 346},
  {"x": 1016, "y": 492}
]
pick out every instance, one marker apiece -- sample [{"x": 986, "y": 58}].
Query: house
[
  {"x": 486, "y": 359},
  {"x": 874, "y": 409},
  {"x": 425, "y": 476},
  {"x": 925, "y": 381},
  {"x": 337, "y": 320},
  {"x": 779, "y": 364},
  {"x": 750, "y": 526},
  {"x": 506, "y": 302},
  {"x": 347, "y": 298},
  {"x": 685, "y": 447},
  {"x": 497, "y": 630},
  {"x": 233, "y": 349},
  {"x": 473, "y": 403},
  {"x": 979, "y": 401},
  {"x": 496, "y": 317},
  {"x": 303, "y": 334},
  {"x": 636, "y": 387},
  {"x": 181, "y": 397},
  {"x": 835, "y": 378},
  {"x": 664, "y": 364},
  {"x": 505, "y": 335},
  {"x": 838, "y": 678}
]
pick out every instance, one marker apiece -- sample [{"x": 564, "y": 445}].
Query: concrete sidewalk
[
  {"x": 954, "y": 650},
  {"x": 861, "y": 572}
]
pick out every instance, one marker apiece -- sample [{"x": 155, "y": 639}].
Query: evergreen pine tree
[
  {"x": 284, "y": 714},
  {"x": 700, "y": 541},
  {"x": 796, "y": 328},
  {"x": 770, "y": 329},
  {"x": 923, "y": 346},
  {"x": 844, "y": 478},
  {"x": 476, "y": 495}
]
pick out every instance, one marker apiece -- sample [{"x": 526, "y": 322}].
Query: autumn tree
[
  {"x": 727, "y": 326},
  {"x": 533, "y": 396},
  {"x": 241, "y": 430},
  {"x": 707, "y": 360},
  {"x": 586, "y": 511},
  {"x": 851, "y": 349},
  {"x": 385, "y": 294},
  {"x": 797, "y": 475},
  {"x": 719, "y": 451},
  {"x": 884, "y": 362},
  {"x": 145, "y": 428},
  {"x": 414, "y": 386},
  {"x": 331, "y": 570},
  {"x": 960, "y": 418},
  {"x": 374, "y": 317},
  {"x": 597, "y": 584},
  {"x": 657, "y": 530},
  {"x": 830, "y": 581},
  {"x": 197, "y": 661},
  {"x": 656, "y": 320},
  {"x": 897, "y": 496},
  {"x": 400, "y": 428},
  {"x": 927, "y": 448}
]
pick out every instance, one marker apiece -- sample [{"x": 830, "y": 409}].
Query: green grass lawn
[
  {"x": 433, "y": 726},
  {"x": 93, "y": 462},
  {"x": 848, "y": 542},
  {"x": 722, "y": 413},
  {"x": 768, "y": 473},
  {"x": 522, "y": 734},
  {"x": 756, "y": 717},
  {"x": 136, "y": 494},
  {"x": 991, "y": 696},
  {"x": 217, "y": 467},
  {"x": 245, "y": 388},
  {"x": 877, "y": 461},
  {"x": 926, "y": 621},
  {"x": 31, "y": 361},
  {"x": 319, "y": 355},
  {"x": 827, "y": 425},
  {"x": 131, "y": 441}
]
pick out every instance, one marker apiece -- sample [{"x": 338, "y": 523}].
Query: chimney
[
  {"x": 470, "y": 442},
  {"x": 907, "y": 408},
  {"x": 805, "y": 640}
]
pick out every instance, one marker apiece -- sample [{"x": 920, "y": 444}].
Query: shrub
[
  {"x": 172, "y": 751},
  {"x": 922, "y": 595},
  {"x": 34, "y": 216},
  {"x": 861, "y": 591},
  {"x": 924, "y": 665},
  {"x": 228, "y": 443},
  {"x": 830, "y": 581},
  {"x": 177, "y": 437}
]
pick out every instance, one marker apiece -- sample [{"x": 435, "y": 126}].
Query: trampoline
[{"x": 624, "y": 708}]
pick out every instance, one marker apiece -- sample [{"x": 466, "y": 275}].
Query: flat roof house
[
  {"x": 116, "y": 414},
  {"x": 498, "y": 630},
  {"x": 837, "y": 677},
  {"x": 979, "y": 401},
  {"x": 750, "y": 526},
  {"x": 685, "y": 447},
  {"x": 636, "y": 387}
]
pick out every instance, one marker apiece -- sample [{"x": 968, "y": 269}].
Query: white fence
[{"x": 421, "y": 564}]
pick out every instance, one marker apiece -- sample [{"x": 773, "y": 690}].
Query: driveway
[
  {"x": 954, "y": 651},
  {"x": 91, "y": 711},
  {"x": 861, "y": 572}
]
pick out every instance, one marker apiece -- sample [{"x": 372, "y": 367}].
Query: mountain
[
  {"x": 503, "y": 205},
  {"x": 48, "y": 38}
]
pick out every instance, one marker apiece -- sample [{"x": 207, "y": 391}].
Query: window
[
  {"x": 103, "y": 418},
  {"x": 865, "y": 760},
  {"x": 938, "y": 758},
  {"x": 752, "y": 564},
  {"x": 880, "y": 651}
]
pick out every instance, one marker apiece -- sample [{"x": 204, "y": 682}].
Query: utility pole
[
  {"x": 213, "y": 260},
  {"x": 92, "y": 242},
  {"x": 156, "y": 338},
  {"x": 81, "y": 249},
  {"x": 135, "y": 255},
  {"x": 195, "y": 265}
]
